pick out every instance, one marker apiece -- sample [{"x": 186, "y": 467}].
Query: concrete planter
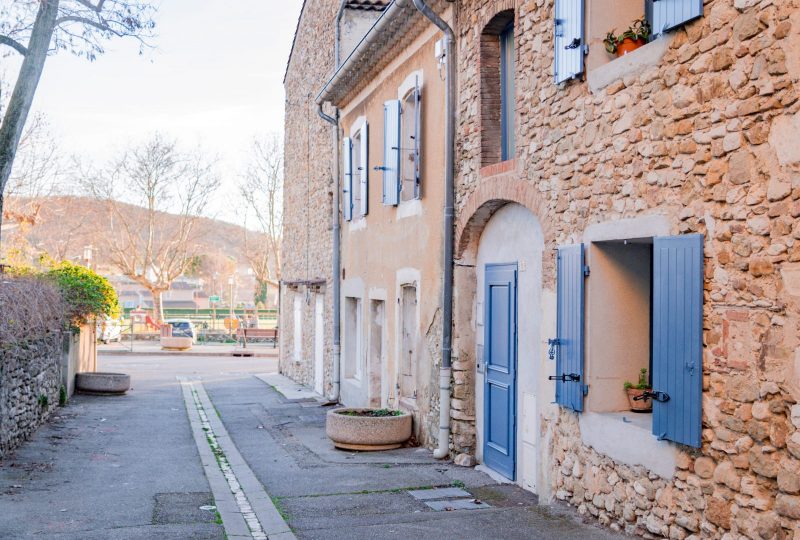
[
  {"x": 171, "y": 343},
  {"x": 367, "y": 433},
  {"x": 102, "y": 383}
]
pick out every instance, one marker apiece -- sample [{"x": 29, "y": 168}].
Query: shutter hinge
[
  {"x": 585, "y": 50},
  {"x": 553, "y": 343},
  {"x": 585, "y": 389},
  {"x": 586, "y": 270}
]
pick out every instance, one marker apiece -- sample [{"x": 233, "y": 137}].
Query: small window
[
  {"x": 409, "y": 146},
  {"x": 507, "y": 97}
]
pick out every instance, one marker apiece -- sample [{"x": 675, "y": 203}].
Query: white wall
[{"x": 514, "y": 234}]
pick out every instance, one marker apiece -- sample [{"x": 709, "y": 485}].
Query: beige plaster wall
[{"x": 391, "y": 241}]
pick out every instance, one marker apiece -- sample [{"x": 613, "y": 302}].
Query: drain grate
[{"x": 448, "y": 499}]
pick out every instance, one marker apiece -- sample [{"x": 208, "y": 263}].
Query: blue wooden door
[{"x": 500, "y": 361}]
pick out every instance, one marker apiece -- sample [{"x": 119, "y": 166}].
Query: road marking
[{"x": 246, "y": 509}]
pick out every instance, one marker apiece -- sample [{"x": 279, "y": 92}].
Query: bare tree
[
  {"x": 262, "y": 190},
  {"x": 36, "y": 28},
  {"x": 152, "y": 247}
]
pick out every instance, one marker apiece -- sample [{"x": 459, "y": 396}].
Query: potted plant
[
  {"x": 631, "y": 39},
  {"x": 634, "y": 391},
  {"x": 368, "y": 429}
]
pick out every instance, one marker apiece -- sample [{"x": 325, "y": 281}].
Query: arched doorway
[{"x": 499, "y": 314}]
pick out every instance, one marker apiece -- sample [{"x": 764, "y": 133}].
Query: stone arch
[{"x": 492, "y": 194}]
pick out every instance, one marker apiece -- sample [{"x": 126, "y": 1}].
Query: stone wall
[
  {"x": 709, "y": 138},
  {"x": 308, "y": 187},
  {"x": 30, "y": 378}
]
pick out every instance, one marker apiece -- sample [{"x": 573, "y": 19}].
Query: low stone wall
[{"x": 30, "y": 378}]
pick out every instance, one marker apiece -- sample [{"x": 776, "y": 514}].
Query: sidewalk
[
  {"x": 328, "y": 494},
  {"x": 153, "y": 348}
]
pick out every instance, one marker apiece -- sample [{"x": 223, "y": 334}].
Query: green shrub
[{"x": 86, "y": 293}]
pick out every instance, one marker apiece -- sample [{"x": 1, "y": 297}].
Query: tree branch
[
  {"x": 14, "y": 44},
  {"x": 89, "y": 22}
]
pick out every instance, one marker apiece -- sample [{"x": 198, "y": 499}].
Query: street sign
[{"x": 213, "y": 298}]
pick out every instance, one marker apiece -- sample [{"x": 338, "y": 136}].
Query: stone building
[
  {"x": 306, "y": 296},
  {"x": 645, "y": 217},
  {"x": 615, "y": 215}
]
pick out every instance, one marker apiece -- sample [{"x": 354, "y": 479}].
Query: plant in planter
[
  {"x": 368, "y": 429},
  {"x": 631, "y": 39},
  {"x": 636, "y": 398}
]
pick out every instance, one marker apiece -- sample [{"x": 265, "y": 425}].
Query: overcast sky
[{"x": 215, "y": 78}]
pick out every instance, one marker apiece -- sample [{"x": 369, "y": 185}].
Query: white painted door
[{"x": 319, "y": 341}]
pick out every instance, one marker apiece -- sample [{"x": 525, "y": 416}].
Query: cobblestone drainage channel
[{"x": 241, "y": 499}]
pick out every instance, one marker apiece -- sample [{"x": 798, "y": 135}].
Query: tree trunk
[
  {"x": 22, "y": 97},
  {"x": 158, "y": 304}
]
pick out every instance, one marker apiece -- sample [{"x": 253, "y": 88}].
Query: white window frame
[
  {"x": 359, "y": 129},
  {"x": 411, "y": 207}
]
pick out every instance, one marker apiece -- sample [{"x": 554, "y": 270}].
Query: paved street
[{"x": 140, "y": 466}]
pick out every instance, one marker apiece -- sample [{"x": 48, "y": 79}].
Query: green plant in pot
[
  {"x": 631, "y": 39},
  {"x": 636, "y": 398}
]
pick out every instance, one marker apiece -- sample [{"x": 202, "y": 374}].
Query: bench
[{"x": 268, "y": 335}]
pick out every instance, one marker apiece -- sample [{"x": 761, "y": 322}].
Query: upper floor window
[
  {"x": 409, "y": 145},
  {"x": 507, "y": 93},
  {"x": 497, "y": 95},
  {"x": 355, "y": 185}
]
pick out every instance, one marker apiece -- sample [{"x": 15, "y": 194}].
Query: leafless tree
[
  {"x": 155, "y": 248},
  {"x": 36, "y": 28},
  {"x": 262, "y": 190}
]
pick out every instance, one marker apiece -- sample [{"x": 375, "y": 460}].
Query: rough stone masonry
[{"x": 711, "y": 138}]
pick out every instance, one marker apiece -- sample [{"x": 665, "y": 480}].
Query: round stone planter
[
  {"x": 367, "y": 433},
  {"x": 102, "y": 383}
]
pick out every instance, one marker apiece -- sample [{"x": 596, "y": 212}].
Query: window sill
[
  {"x": 409, "y": 208},
  {"x": 357, "y": 224},
  {"x": 627, "y": 437},
  {"x": 633, "y": 63},
  {"x": 503, "y": 167}
]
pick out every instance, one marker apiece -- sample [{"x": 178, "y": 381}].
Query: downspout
[
  {"x": 336, "y": 48},
  {"x": 443, "y": 450},
  {"x": 336, "y": 270}
]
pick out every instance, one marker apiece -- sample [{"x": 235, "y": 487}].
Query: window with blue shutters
[
  {"x": 391, "y": 152},
  {"x": 410, "y": 144},
  {"x": 567, "y": 347},
  {"x": 678, "y": 338},
  {"x": 568, "y": 39},
  {"x": 664, "y": 15},
  {"x": 644, "y": 307},
  {"x": 347, "y": 179}
]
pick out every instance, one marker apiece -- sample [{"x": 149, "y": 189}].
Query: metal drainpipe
[
  {"x": 337, "y": 270},
  {"x": 443, "y": 450}
]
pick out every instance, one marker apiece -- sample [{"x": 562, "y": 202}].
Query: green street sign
[{"x": 213, "y": 298}]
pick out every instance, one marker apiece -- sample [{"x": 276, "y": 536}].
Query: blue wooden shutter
[
  {"x": 391, "y": 152},
  {"x": 665, "y": 15},
  {"x": 364, "y": 172},
  {"x": 347, "y": 184},
  {"x": 568, "y": 40},
  {"x": 677, "y": 337},
  {"x": 569, "y": 360},
  {"x": 417, "y": 135}
]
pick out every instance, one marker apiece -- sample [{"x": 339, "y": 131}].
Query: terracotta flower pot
[
  {"x": 641, "y": 405},
  {"x": 355, "y": 432},
  {"x": 629, "y": 45}
]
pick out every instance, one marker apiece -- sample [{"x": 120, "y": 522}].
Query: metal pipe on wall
[
  {"x": 336, "y": 269},
  {"x": 443, "y": 450}
]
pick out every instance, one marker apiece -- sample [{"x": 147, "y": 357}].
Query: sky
[{"x": 215, "y": 78}]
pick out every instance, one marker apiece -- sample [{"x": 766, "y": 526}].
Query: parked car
[
  {"x": 108, "y": 329},
  {"x": 182, "y": 328}
]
